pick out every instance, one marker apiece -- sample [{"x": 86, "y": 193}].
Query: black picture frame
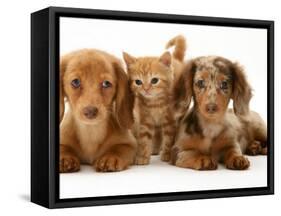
[{"x": 45, "y": 108}]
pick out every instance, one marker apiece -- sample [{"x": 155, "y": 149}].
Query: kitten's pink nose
[{"x": 146, "y": 88}]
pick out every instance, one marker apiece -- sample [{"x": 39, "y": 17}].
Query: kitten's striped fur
[{"x": 155, "y": 121}]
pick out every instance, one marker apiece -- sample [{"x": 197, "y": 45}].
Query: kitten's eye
[
  {"x": 201, "y": 84},
  {"x": 223, "y": 85},
  {"x": 106, "y": 84},
  {"x": 154, "y": 80},
  {"x": 75, "y": 83},
  {"x": 138, "y": 82}
]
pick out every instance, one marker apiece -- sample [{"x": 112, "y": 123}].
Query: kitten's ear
[
  {"x": 166, "y": 59},
  {"x": 128, "y": 59}
]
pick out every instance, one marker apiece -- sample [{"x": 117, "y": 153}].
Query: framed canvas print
[{"x": 138, "y": 107}]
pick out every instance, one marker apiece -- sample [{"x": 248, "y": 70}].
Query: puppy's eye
[
  {"x": 106, "y": 84},
  {"x": 138, "y": 82},
  {"x": 224, "y": 85},
  {"x": 75, "y": 83},
  {"x": 201, "y": 84},
  {"x": 154, "y": 80}
]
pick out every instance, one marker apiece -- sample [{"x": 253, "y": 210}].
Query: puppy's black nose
[
  {"x": 211, "y": 108},
  {"x": 90, "y": 112}
]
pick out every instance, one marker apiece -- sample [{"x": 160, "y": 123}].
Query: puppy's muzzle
[
  {"x": 90, "y": 112},
  {"x": 211, "y": 108}
]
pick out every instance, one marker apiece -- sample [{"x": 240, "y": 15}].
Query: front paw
[
  {"x": 200, "y": 162},
  {"x": 165, "y": 156},
  {"x": 238, "y": 163},
  {"x": 69, "y": 163},
  {"x": 110, "y": 163},
  {"x": 254, "y": 148},
  {"x": 142, "y": 160},
  {"x": 206, "y": 163}
]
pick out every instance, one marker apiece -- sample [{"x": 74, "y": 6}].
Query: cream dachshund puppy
[
  {"x": 96, "y": 128},
  {"x": 210, "y": 132}
]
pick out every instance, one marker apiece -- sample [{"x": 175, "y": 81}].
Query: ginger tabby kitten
[{"x": 151, "y": 79}]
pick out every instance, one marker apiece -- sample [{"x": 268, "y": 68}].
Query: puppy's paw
[
  {"x": 238, "y": 163},
  {"x": 165, "y": 156},
  {"x": 200, "y": 162},
  {"x": 69, "y": 163},
  {"x": 254, "y": 148},
  {"x": 142, "y": 160},
  {"x": 205, "y": 163},
  {"x": 110, "y": 163}
]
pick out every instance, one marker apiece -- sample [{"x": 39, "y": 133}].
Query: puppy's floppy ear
[
  {"x": 242, "y": 91},
  {"x": 183, "y": 87},
  {"x": 128, "y": 59},
  {"x": 63, "y": 64},
  {"x": 124, "y": 99}
]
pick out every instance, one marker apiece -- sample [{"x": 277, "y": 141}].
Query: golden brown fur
[
  {"x": 155, "y": 121},
  {"x": 95, "y": 130},
  {"x": 210, "y": 132}
]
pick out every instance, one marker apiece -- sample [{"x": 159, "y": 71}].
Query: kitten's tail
[{"x": 180, "y": 47}]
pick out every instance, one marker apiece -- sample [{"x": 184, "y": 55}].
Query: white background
[
  {"x": 15, "y": 108},
  {"x": 245, "y": 45}
]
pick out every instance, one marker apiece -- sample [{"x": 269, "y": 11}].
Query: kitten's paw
[
  {"x": 69, "y": 163},
  {"x": 110, "y": 163},
  {"x": 165, "y": 156},
  {"x": 238, "y": 163},
  {"x": 141, "y": 160}
]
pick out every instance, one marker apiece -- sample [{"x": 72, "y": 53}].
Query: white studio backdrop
[{"x": 248, "y": 46}]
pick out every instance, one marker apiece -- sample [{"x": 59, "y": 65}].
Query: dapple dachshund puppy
[{"x": 210, "y": 132}]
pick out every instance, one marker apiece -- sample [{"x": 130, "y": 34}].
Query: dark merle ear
[
  {"x": 183, "y": 87},
  {"x": 242, "y": 91}
]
